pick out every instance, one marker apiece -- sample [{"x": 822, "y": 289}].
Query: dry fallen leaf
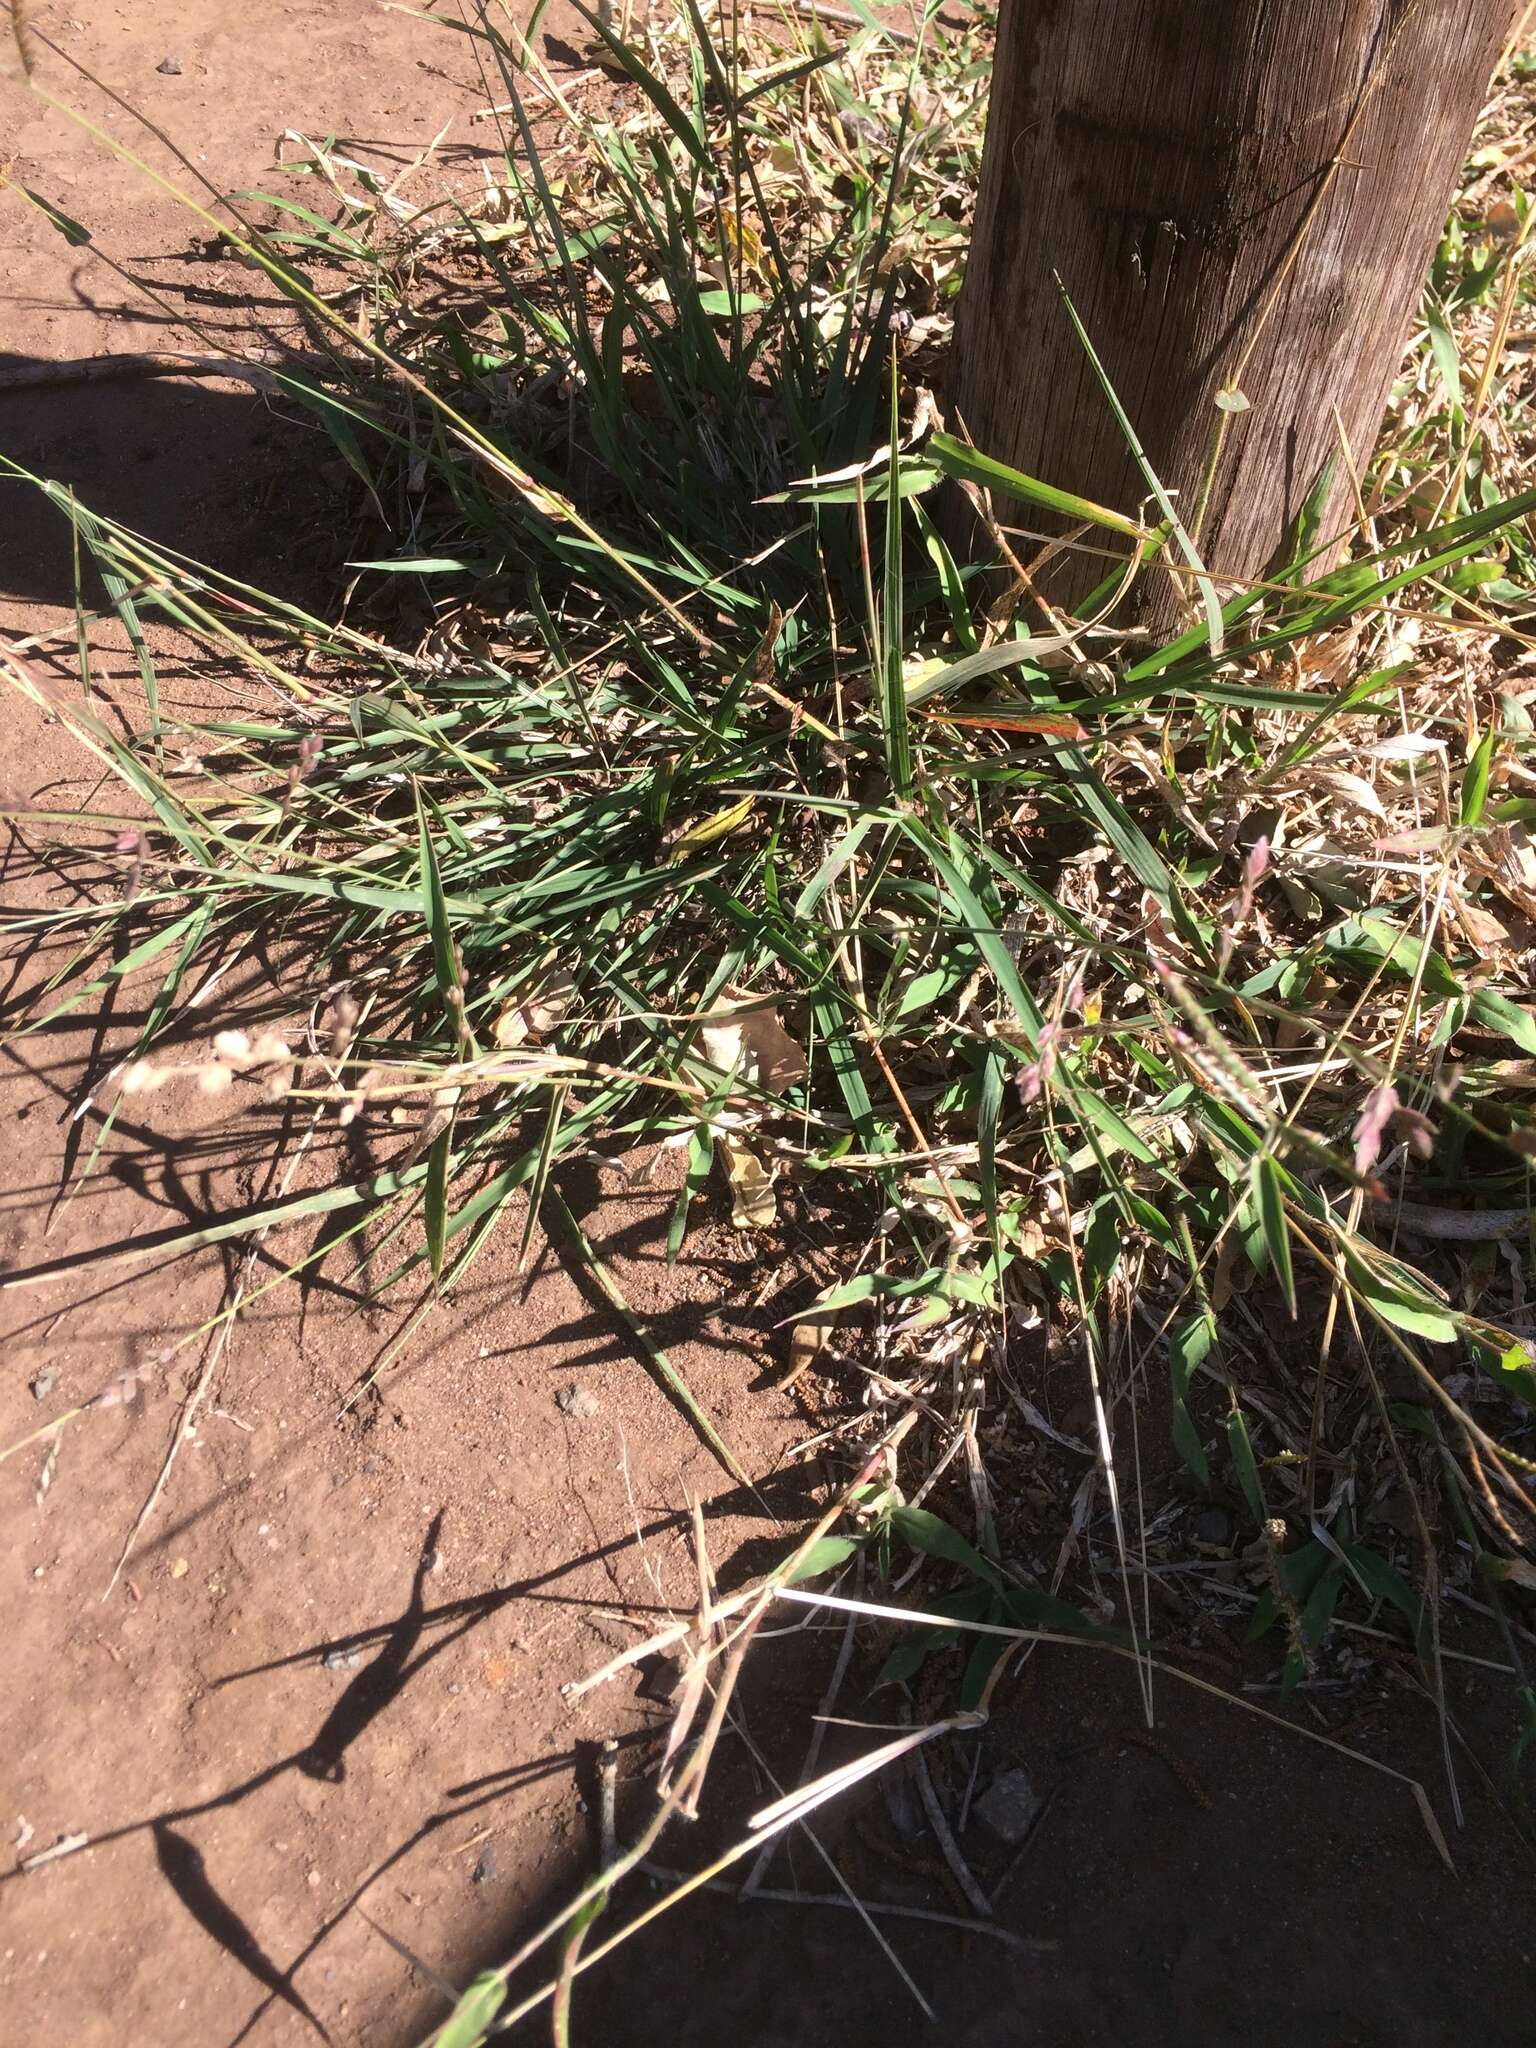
[
  {"x": 1502, "y": 221},
  {"x": 748, "y": 1040},
  {"x": 1482, "y": 928},
  {"x": 752, "y": 1203},
  {"x": 1514, "y": 1571},
  {"x": 533, "y": 1016},
  {"x": 807, "y": 1340}
]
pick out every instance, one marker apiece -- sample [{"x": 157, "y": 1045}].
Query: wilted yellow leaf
[{"x": 743, "y": 237}]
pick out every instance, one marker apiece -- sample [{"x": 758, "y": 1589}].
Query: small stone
[
  {"x": 342, "y": 1660},
  {"x": 860, "y": 127},
  {"x": 169, "y": 67},
  {"x": 484, "y": 1871},
  {"x": 1214, "y": 1526},
  {"x": 44, "y": 1384},
  {"x": 903, "y": 1806},
  {"x": 1009, "y": 1807},
  {"x": 577, "y": 1402},
  {"x": 660, "y": 1679},
  {"x": 180, "y": 1568}
]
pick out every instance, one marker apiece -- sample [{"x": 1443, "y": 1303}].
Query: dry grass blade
[
  {"x": 21, "y": 39},
  {"x": 1025, "y": 1635}
]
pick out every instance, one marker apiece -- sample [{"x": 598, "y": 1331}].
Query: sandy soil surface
[{"x": 327, "y": 1682}]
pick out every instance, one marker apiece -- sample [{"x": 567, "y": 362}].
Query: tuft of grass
[{"x": 667, "y": 778}]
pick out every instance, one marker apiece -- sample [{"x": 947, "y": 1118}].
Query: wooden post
[{"x": 1234, "y": 193}]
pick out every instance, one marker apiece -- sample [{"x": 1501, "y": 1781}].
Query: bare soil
[{"x": 327, "y": 1683}]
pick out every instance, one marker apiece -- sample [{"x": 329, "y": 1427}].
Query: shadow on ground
[{"x": 237, "y": 478}]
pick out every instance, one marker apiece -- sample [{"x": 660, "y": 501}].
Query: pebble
[
  {"x": 484, "y": 1871},
  {"x": 169, "y": 67},
  {"x": 45, "y": 1383},
  {"x": 1214, "y": 1526},
  {"x": 342, "y": 1660},
  {"x": 577, "y": 1402},
  {"x": 1009, "y": 1807}
]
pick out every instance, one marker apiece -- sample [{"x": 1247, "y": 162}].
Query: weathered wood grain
[{"x": 1168, "y": 158}]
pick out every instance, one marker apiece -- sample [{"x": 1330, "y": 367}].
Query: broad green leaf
[
  {"x": 1398, "y": 1302},
  {"x": 1028, "y": 1608},
  {"x": 884, "y": 1286},
  {"x": 701, "y": 1152},
  {"x": 1246, "y": 1466},
  {"x": 918, "y": 1644},
  {"x": 913, "y": 476},
  {"x": 1382, "y": 1582},
  {"x": 73, "y": 233},
  {"x": 986, "y": 1653},
  {"x": 1497, "y": 1013},
  {"x": 471, "y": 2020},
  {"x": 951, "y": 582},
  {"x": 1102, "y": 1244},
  {"x": 1371, "y": 941},
  {"x": 824, "y": 1555},
  {"x": 1189, "y": 1345},
  {"x": 1316, "y": 1617},
  {"x": 719, "y": 305},
  {"x": 936, "y": 1538}
]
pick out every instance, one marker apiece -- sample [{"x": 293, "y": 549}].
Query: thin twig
[
  {"x": 944, "y": 1836},
  {"x": 754, "y": 1878},
  {"x": 151, "y": 363},
  {"x": 187, "y": 1414},
  {"x": 774, "y": 1895},
  {"x": 607, "y": 1780},
  {"x": 1027, "y": 1844}
]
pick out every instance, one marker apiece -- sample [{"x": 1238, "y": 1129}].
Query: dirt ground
[{"x": 327, "y": 1683}]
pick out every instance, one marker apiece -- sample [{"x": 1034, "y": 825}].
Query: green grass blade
[
  {"x": 656, "y": 1359},
  {"x": 957, "y": 459},
  {"x": 893, "y": 699},
  {"x": 1474, "y": 785},
  {"x": 1270, "y": 1198},
  {"x": 1154, "y": 483},
  {"x": 435, "y": 1201}
]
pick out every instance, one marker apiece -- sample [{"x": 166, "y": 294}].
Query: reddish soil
[{"x": 329, "y": 1678}]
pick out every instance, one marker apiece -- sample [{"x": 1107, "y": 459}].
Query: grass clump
[{"x": 669, "y": 778}]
